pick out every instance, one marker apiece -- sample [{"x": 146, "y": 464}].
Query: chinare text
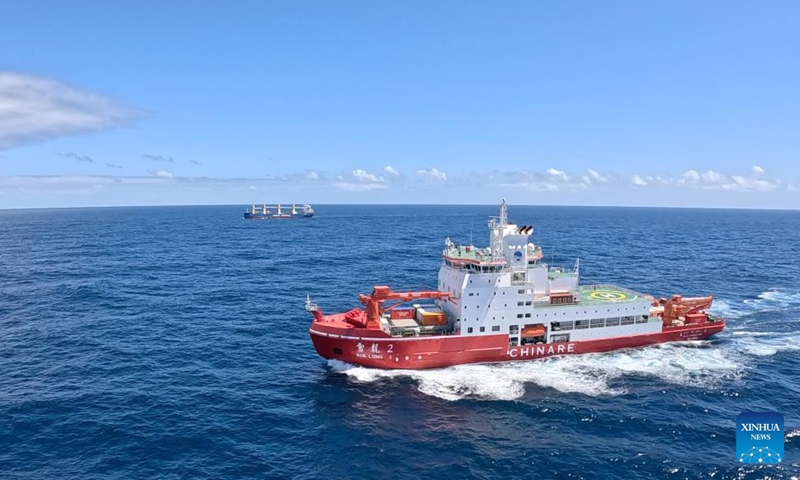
[{"x": 541, "y": 350}]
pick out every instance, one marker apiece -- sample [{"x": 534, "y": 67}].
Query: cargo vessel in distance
[
  {"x": 502, "y": 303},
  {"x": 278, "y": 212}
]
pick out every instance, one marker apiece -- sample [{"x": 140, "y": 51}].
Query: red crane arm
[{"x": 381, "y": 293}]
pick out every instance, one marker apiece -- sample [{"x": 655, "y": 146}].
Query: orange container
[
  {"x": 698, "y": 318},
  {"x": 433, "y": 318},
  {"x": 401, "y": 313}
]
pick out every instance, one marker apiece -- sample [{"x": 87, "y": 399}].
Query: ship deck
[{"x": 475, "y": 255}]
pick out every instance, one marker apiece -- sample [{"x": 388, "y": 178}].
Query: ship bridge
[
  {"x": 510, "y": 249},
  {"x": 503, "y": 282}
]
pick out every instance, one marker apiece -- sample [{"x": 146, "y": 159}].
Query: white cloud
[
  {"x": 597, "y": 177},
  {"x": 365, "y": 176},
  {"x": 637, "y": 180},
  {"x": 433, "y": 174},
  {"x": 359, "y": 180},
  {"x": 164, "y": 174},
  {"x": 34, "y": 109},
  {"x": 690, "y": 177},
  {"x": 712, "y": 180},
  {"x": 560, "y": 174},
  {"x": 359, "y": 187},
  {"x": 713, "y": 177},
  {"x": 391, "y": 170},
  {"x": 750, "y": 184}
]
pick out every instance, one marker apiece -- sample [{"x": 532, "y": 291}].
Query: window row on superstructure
[
  {"x": 600, "y": 322},
  {"x": 474, "y": 268},
  {"x": 577, "y": 325}
]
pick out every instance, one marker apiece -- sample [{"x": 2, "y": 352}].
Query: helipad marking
[{"x": 607, "y": 295}]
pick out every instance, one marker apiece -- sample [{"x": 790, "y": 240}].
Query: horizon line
[{"x": 778, "y": 209}]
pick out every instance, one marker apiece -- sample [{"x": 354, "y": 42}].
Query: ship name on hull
[{"x": 541, "y": 350}]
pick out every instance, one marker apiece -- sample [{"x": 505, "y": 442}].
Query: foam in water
[
  {"x": 768, "y": 345},
  {"x": 686, "y": 363},
  {"x": 587, "y": 374},
  {"x": 724, "y": 308},
  {"x": 773, "y": 299},
  {"x": 769, "y": 300}
]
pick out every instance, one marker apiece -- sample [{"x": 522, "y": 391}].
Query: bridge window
[
  {"x": 562, "y": 326},
  {"x": 580, "y": 324},
  {"x": 598, "y": 322},
  {"x": 612, "y": 322},
  {"x": 626, "y": 321},
  {"x": 641, "y": 319}
]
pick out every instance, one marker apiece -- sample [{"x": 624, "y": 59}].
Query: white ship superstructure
[{"x": 507, "y": 288}]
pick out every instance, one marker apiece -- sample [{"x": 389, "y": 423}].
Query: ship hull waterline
[
  {"x": 257, "y": 216},
  {"x": 416, "y": 353}
]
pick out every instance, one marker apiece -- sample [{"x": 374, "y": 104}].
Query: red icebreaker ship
[{"x": 501, "y": 303}]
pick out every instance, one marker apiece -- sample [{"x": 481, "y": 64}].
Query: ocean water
[{"x": 172, "y": 342}]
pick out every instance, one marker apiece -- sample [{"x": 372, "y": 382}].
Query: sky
[{"x": 679, "y": 103}]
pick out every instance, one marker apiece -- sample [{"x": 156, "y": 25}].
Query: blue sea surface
[{"x": 172, "y": 342}]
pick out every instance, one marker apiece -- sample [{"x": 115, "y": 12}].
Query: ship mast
[{"x": 497, "y": 225}]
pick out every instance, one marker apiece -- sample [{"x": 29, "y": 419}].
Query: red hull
[{"x": 376, "y": 349}]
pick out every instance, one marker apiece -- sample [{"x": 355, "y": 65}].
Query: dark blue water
[{"x": 172, "y": 342}]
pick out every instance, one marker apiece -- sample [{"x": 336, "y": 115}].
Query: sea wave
[
  {"x": 766, "y": 301},
  {"x": 686, "y": 364},
  {"x": 766, "y": 346}
]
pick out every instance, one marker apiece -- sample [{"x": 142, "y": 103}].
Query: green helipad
[{"x": 606, "y": 294}]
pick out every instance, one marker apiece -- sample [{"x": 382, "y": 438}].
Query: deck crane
[{"x": 374, "y": 303}]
